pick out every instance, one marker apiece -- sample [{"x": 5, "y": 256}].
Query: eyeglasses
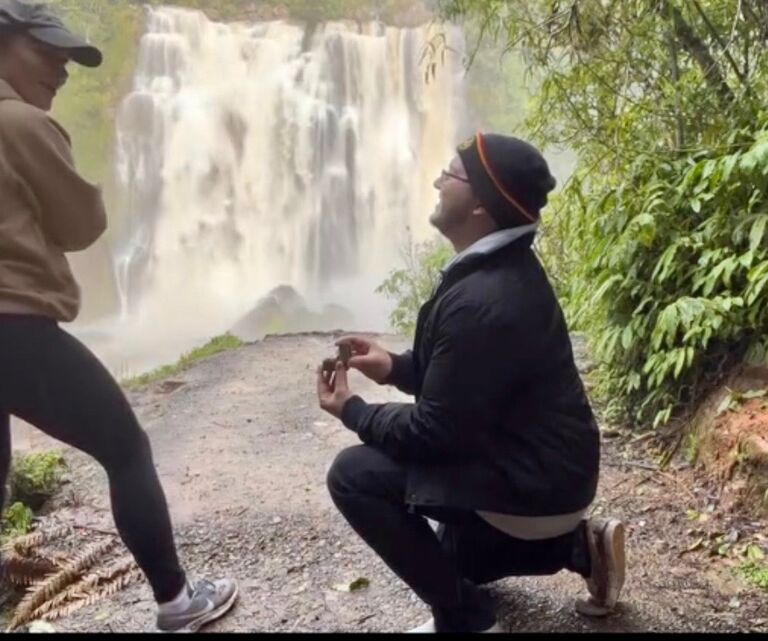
[{"x": 447, "y": 174}]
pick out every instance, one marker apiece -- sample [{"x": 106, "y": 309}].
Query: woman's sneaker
[
  {"x": 605, "y": 538},
  {"x": 208, "y": 601}
]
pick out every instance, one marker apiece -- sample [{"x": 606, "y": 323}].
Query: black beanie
[{"x": 509, "y": 176}]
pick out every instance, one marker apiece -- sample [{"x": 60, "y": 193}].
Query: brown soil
[{"x": 728, "y": 440}]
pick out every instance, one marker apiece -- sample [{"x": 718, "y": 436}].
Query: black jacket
[{"x": 501, "y": 420}]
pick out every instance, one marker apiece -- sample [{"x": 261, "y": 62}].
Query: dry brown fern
[
  {"x": 23, "y": 571},
  {"x": 75, "y": 591},
  {"x": 116, "y": 568},
  {"x": 24, "y": 545},
  {"x": 58, "y": 558},
  {"x": 85, "y": 588},
  {"x": 113, "y": 586},
  {"x": 54, "y": 584}
]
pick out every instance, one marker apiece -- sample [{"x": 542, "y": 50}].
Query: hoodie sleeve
[{"x": 72, "y": 213}]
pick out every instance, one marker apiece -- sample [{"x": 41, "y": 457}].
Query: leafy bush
[
  {"x": 658, "y": 242},
  {"x": 673, "y": 279},
  {"x": 411, "y": 285},
  {"x": 35, "y": 477}
]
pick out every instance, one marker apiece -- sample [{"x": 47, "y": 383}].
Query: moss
[
  {"x": 215, "y": 346},
  {"x": 755, "y": 573}
]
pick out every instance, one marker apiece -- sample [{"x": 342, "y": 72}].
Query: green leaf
[
  {"x": 728, "y": 165},
  {"x": 680, "y": 363},
  {"x": 353, "y": 586},
  {"x": 757, "y": 232},
  {"x": 626, "y": 337}
]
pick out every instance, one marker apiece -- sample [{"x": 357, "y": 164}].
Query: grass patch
[
  {"x": 215, "y": 346},
  {"x": 36, "y": 477},
  {"x": 17, "y": 520},
  {"x": 33, "y": 480},
  {"x": 755, "y": 573}
]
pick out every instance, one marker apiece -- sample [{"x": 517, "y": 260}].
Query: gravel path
[{"x": 242, "y": 449}]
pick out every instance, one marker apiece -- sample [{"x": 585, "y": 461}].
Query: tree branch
[
  {"x": 679, "y": 125},
  {"x": 716, "y": 35},
  {"x": 699, "y": 51}
]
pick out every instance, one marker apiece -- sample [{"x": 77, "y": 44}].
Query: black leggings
[{"x": 50, "y": 380}]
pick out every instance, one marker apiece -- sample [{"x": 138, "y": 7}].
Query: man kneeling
[{"x": 500, "y": 446}]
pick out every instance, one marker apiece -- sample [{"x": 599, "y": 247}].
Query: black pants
[
  {"x": 442, "y": 568},
  {"x": 50, "y": 380}
]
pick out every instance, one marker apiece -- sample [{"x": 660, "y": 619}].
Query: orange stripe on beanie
[
  {"x": 484, "y": 159},
  {"x": 509, "y": 176}
]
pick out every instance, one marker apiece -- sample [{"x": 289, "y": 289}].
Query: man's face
[
  {"x": 34, "y": 69},
  {"x": 456, "y": 198}
]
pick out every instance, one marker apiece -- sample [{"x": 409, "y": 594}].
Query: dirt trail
[{"x": 242, "y": 449}]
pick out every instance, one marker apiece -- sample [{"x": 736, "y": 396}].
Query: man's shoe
[
  {"x": 605, "y": 538},
  {"x": 208, "y": 601}
]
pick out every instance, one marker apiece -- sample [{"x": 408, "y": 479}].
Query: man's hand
[
  {"x": 369, "y": 358},
  {"x": 333, "y": 390}
]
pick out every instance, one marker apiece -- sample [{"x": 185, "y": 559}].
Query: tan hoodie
[{"x": 46, "y": 209}]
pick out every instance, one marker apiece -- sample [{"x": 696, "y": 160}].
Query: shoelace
[{"x": 205, "y": 587}]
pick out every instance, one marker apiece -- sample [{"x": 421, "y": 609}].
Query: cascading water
[{"x": 256, "y": 155}]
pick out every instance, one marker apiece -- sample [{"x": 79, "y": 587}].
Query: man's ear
[{"x": 478, "y": 209}]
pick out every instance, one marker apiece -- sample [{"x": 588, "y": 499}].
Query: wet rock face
[{"x": 284, "y": 311}]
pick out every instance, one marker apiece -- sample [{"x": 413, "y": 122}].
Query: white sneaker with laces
[{"x": 207, "y": 601}]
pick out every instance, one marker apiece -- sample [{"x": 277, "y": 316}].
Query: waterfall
[{"x": 254, "y": 155}]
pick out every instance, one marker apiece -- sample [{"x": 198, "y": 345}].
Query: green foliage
[
  {"x": 35, "y": 477},
  {"x": 672, "y": 274},
  {"x": 659, "y": 243},
  {"x": 411, "y": 285},
  {"x": 755, "y": 573},
  {"x": 215, "y": 346},
  {"x": 17, "y": 520},
  {"x": 87, "y": 106}
]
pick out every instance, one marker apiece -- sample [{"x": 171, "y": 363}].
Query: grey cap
[{"x": 40, "y": 22}]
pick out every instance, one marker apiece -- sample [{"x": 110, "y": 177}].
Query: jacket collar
[
  {"x": 7, "y": 92},
  {"x": 492, "y": 243},
  {"x": 475, "y": 261}
]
